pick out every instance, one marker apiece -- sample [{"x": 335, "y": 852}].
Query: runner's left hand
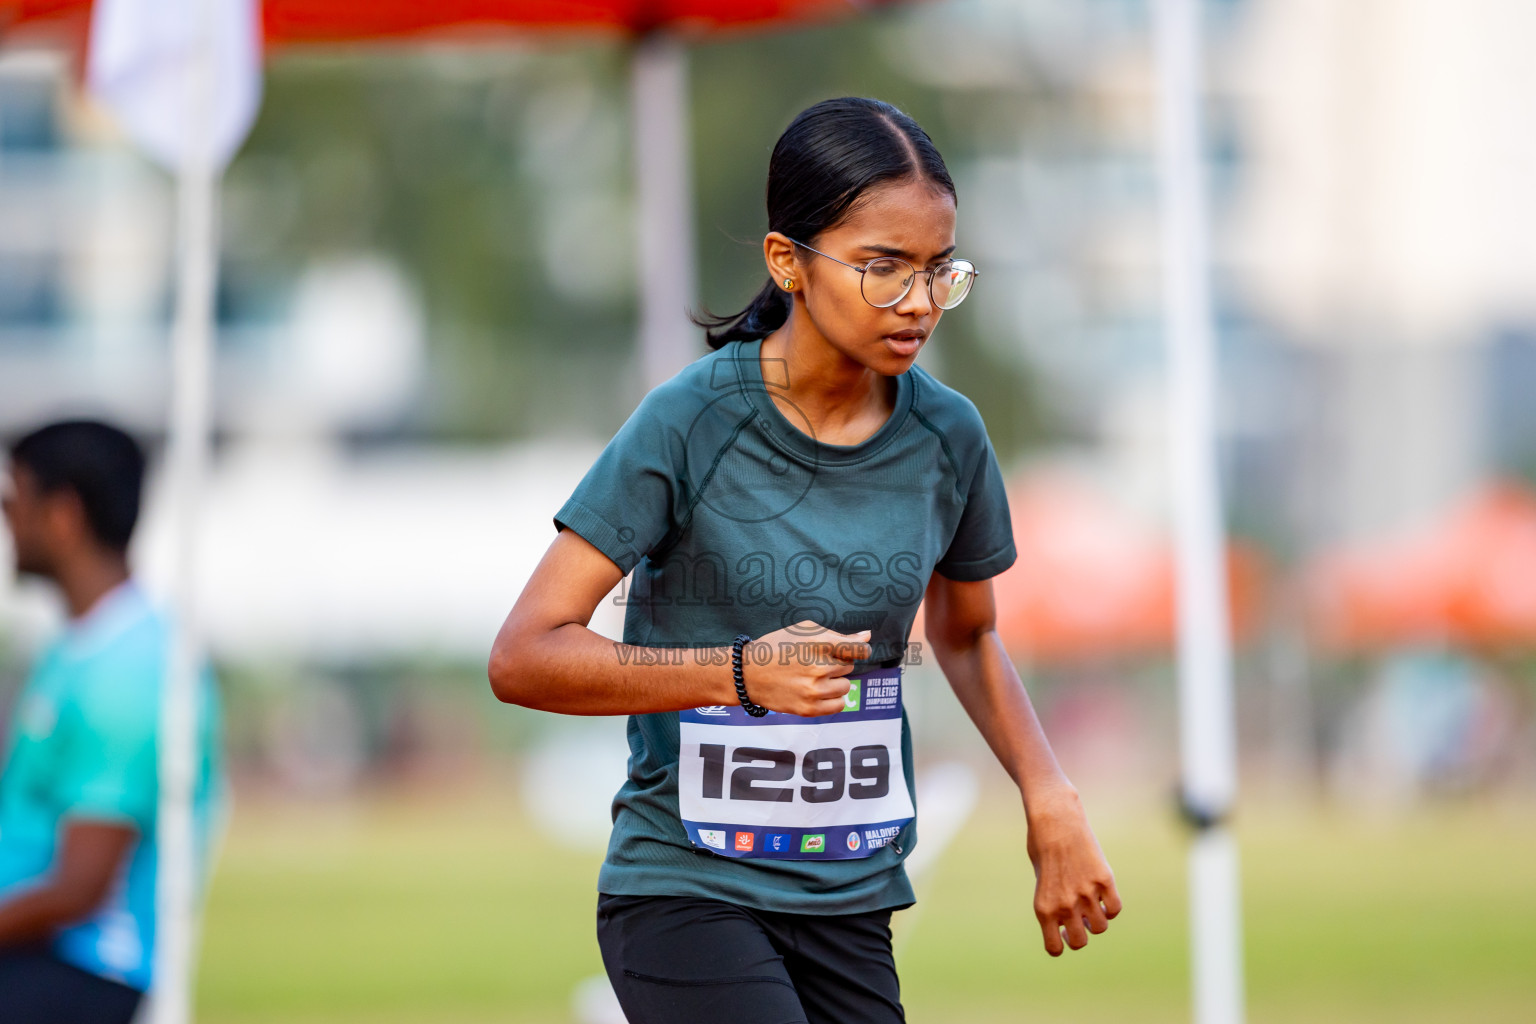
[{"x": 1074, "y": 888}]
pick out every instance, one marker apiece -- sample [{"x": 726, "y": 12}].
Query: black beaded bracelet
[{"x": 755, "y": 710}]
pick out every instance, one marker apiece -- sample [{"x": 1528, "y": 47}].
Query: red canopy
[
  {"x": 1469, "y": 577},
  {"x": 322, "y": 21},
  {"x": 300, "y": 21},
  {"x": 1091, "y": 581}
]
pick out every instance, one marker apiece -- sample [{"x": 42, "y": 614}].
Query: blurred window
[
  {"x": 29, "y": 296},
  {"x": 28, "y": 120}
]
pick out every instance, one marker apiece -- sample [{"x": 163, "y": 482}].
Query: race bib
[{"x": 792, "y": 788}]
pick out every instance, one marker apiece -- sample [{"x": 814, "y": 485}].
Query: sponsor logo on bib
[
  {"x": 851, "y": 698},
  {"x": 853, "y": 841},
  {"x": 712, "y": 837},
  {"x": 813, "y": 844},
  {"x": 715, "y": 711},
  {"x": 744, "y": 841},
  {"x": 778, "y": 842}
]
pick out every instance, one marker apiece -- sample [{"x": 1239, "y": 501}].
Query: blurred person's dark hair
[
  {"x": 99, "y": 463},
  {"x": 829, "y": 157}
]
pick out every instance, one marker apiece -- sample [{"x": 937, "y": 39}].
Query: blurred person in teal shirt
[{"x": 79, "y": 791}]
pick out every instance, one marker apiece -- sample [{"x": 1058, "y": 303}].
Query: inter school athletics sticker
[{"x": 791, "y": 788}]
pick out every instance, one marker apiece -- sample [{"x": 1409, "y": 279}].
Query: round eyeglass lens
[
  {"x": 952, "y": 282},
  {"x": 886, "y": 281}
]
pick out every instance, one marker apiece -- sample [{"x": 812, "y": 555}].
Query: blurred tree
[{"x": 500, "y": 179}]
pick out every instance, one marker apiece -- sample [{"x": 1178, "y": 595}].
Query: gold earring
[{"x": 788, "y": 283}]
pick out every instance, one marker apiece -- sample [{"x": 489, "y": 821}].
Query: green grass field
[{"x": 454, "y": 911}]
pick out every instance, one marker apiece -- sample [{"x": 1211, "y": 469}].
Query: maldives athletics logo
[{"x": 854, "y": 842}]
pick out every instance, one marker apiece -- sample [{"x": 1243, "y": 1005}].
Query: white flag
[{"x": 182, "y": 77}]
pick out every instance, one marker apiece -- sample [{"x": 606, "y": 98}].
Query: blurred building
[
  {"x": 86, "y": 246},
  {"x": 427, "y": 287},
  {"x": 1386, "y": 229}
]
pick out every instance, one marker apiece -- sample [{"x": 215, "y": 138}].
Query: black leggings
[
  {"x": 686, "y": 960},
  {"x": 38, "y": 988}
]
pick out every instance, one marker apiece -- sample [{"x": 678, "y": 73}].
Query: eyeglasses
[{"x": 887, "y": 280}]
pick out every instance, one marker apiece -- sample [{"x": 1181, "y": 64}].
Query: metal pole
[
  {"x": 1207, "y": 733},
  {"x": 659, "y": 93},
  {"x": 187, "y": 465}
]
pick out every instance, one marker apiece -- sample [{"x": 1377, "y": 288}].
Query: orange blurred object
[
  {"x": 1091, "y": 582},
  {"x": 1468, "y": 578},
  {"x": 329, "y": 21}
]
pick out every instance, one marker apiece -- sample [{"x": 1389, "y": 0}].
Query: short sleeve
[
  {"x": 109, "y": 768},
  {"x": 983, "y": 544},
  {"x": 624, "y": 504}
]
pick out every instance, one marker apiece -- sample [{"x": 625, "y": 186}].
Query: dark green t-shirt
[{"x": 736, "y": 520}]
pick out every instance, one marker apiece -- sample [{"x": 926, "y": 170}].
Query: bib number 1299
[{"x": 862, "y": 773}]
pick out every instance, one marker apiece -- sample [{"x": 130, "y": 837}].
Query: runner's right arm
[
  {"x": 546, "y": 658},
  {"x": 91, "y": 856}
]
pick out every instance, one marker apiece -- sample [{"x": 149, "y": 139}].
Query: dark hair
[
  {"x": 99, "y": 463},
  {"x": 827, "y": 159}
]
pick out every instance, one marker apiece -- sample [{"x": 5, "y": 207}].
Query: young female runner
[{"x": 786, "y": 502}]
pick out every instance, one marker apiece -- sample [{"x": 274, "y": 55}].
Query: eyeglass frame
[{"x": 865, "y": 268}]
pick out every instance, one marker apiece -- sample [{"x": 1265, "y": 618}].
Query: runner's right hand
[{"x": 806, "y": 673}]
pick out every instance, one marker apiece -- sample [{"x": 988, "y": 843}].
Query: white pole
[
  {"x": 1207, "y": 734},
  {"x": 663, "y": 161},
  {"x": 187, "y": 463}
]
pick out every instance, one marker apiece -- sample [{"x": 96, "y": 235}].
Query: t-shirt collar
[
  {"x": 112, "y": 614},
  {"x": 796, "y": 441}
]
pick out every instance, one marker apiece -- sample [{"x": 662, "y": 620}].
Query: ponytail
[{"x": 766, "y": 313}]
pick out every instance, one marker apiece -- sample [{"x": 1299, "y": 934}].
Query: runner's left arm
[{"x": 1074, "y": 887}]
